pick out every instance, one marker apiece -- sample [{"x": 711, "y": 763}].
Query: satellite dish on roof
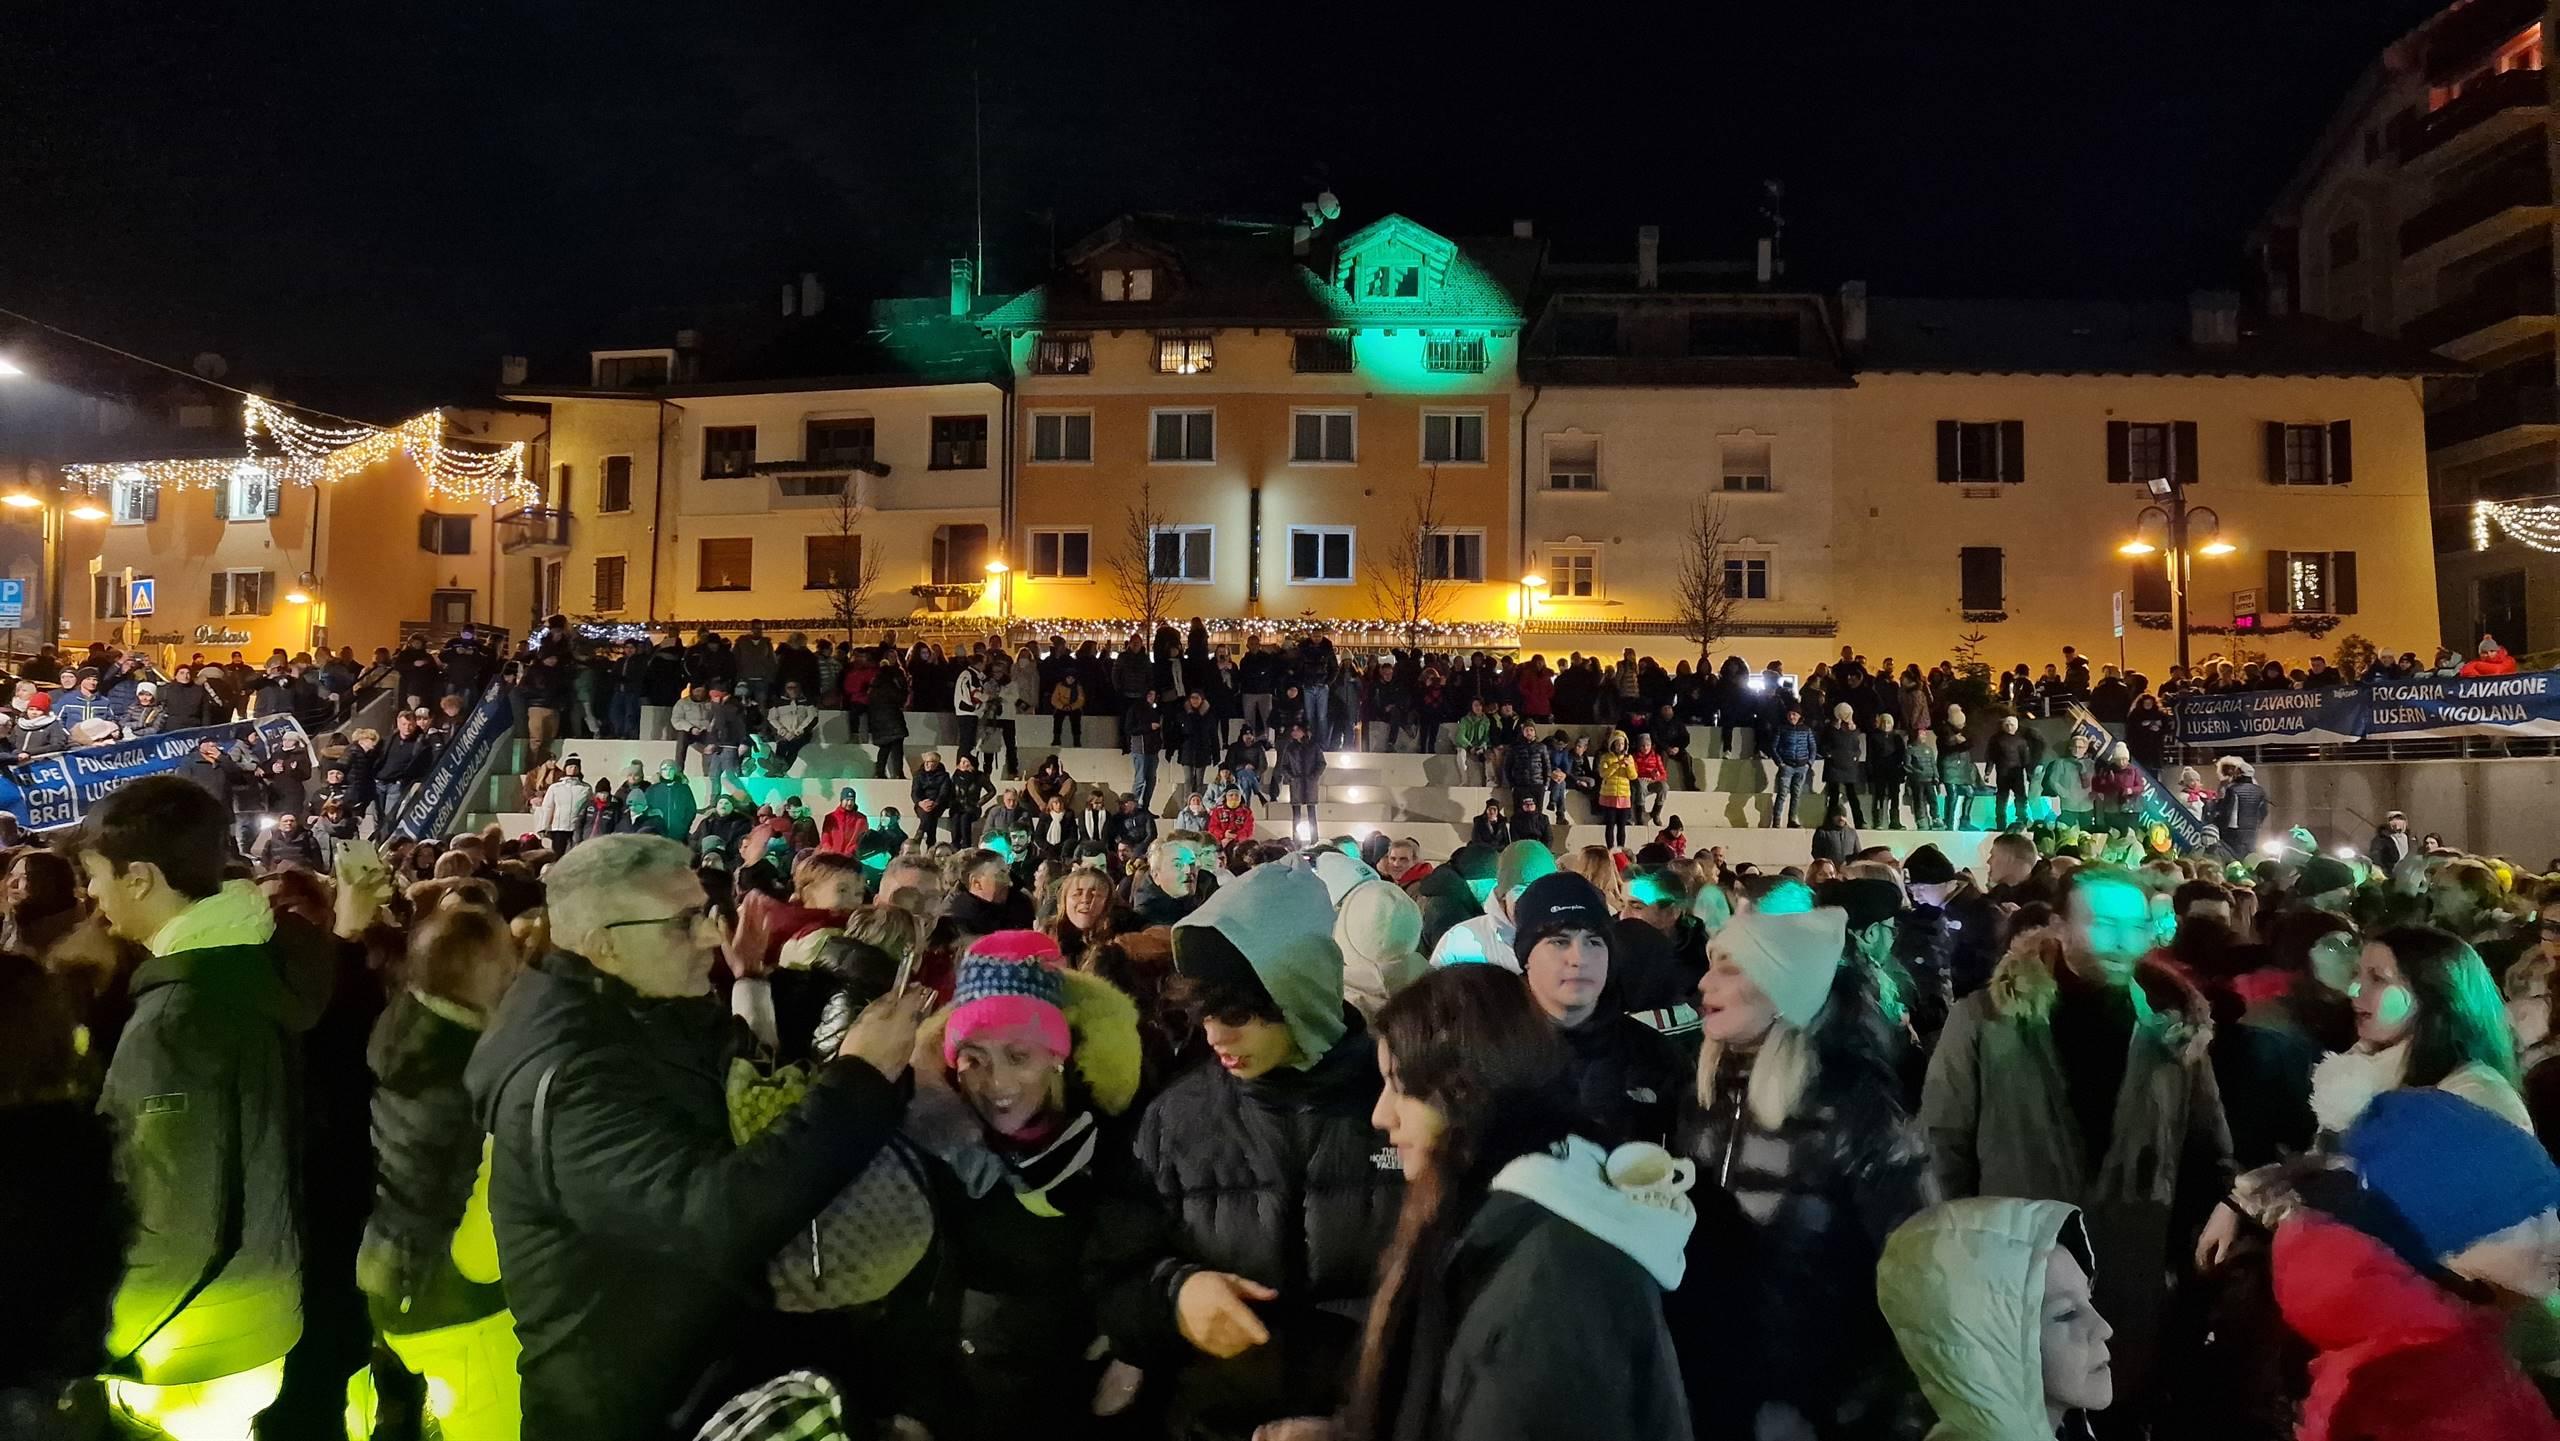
[
  {"x": 1328, "y": 205},
  {"x": 211, "y": 366}
]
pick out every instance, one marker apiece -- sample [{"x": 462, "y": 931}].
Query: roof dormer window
[
  {"x": 1136, "y": 282},
  {"x": 1398, "y": 279}
]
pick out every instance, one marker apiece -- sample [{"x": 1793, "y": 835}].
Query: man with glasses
[{"x": 634, "y": 1234}]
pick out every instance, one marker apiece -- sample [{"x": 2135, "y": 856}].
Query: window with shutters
[
  {"x": 241, "y": 592},
  {"x": 838, "y": 444},
  {"x": 831, "y": 561},
  {"x": 1454, "y": 355},
  {"x": 2308, "y": 454},
  {"x": 608, "y": 588},
  {"x": 1745, "y": 465},
  {"x": 1981, "y": 579},
  {"x": 1062, "y": 437},
  {"x": 1062, "y": 355},
  {"x": 1184, "y": 437},
  {"x": 1982, "y": 452},
  {"x": 1320, "y": 554},
  {"x": 725, "y": 563},
  {"x": 250, "y": 494},
  {"x": 1573, "y": 462},
  {"x": 728, "y": 451},
  {"x": 1326, "y": 353},
  {"x": 1182, "y": 553},
  {"x": 1746, "y": 575},
  {"x": 1573, "y": 574},
  {"x": 444, "y": 534},
  {"x": 1453, "y": 555},
  {"x": 1321, "y": 437},
  {"x": 2146, "y": 453},
  {"x": 1185, "y": 355},
  {"x": 133, "y": 501},
  {"x": 107, "y": 596},
  {"x": 959, "y": 442},
  {"x": 2316, "y": 582},
  {"x": 1061, "y": 555},
  {"x": 613, "y": 488},
  {"x": 959, "y": 555},
  {"x": 1453, "y": 437}
]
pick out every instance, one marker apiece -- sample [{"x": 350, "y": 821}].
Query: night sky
[{"x": 398, "y": 191}]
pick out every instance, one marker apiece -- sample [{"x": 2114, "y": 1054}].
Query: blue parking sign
[{"x": 13, "y": 603}]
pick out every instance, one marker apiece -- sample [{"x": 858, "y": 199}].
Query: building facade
[
  {"x": 1995, "y": 457},
  {"x": 692, "y": 497},
  {"x": 1267, "y": 425},
  {"x": 2426, "y": 211}
]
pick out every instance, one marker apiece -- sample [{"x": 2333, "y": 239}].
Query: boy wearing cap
[{"x": 1625, "y": 1075}]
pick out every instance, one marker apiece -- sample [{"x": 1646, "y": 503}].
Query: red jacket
[
  {"x": 2496, "y": 662},
  {"x": 2400, "y": 1357},
  {"x": 857, "y": 682},
  {"x": 1537, "y": 693},
  {"x": 1230, "y": 823},
  {"x": 1649, "y": 766},
  {"x": 840, "y": 831}
]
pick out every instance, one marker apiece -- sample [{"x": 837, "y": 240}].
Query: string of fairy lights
[
  {"x": 2536, "y": 525},
  {"x": 285, "y": 449}
]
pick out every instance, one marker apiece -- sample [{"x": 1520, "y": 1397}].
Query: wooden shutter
[
  {"x": 1946, "y": 452},
  {"x": 151, "y": 501},
  {"x": 2342, "y": 582},
  {"x": 2013, "y": 451},
  {"x": 275, "y": 496},
  {"x": 222, "y": 500},
  {"x": 266, "y": 592},
  {"x": 2275, "y": 452},
  {"x": 2119, "y": 451},
  {"x": 431, "y": 532},
  {"x": 2149, "y": 593},
  {"x": 2341, "y": 454},
  {"x": 2182, "y": 452},
  {"x": 218, "y": 602},
  {"x": 1980, "y": 579},
  {"x": 2279, "y": 597}
]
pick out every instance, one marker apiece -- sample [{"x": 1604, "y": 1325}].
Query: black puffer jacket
[
  {"x": 1794, "y": 1316},
  {"x": 1280, "y": 1179},
  {"x": 426, "y": 1148},
  {"x": 634, "y": 1232},
  {"x": 1626, "y": 1076}
]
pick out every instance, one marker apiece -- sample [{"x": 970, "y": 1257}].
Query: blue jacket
[{"x": 1792, "y": 745}]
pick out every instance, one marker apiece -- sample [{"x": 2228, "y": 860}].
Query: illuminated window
[
  {"x": 242, "y": 592},
  {"x": 1067, "y": 355},
  {"x": 959, "y": 442},
  {"x": 1132, "y": 283},
  {"x": 250, "y": 494},
  {"x": 1184, "y": 355},
  {"x": 134, "y": 501},
  {"x": 1573, "y": 574},
  {"x": 1454, "y": 355},
  {"x": 725, "y": 563},
  {"x": 831, "y": 561},
  {"x": 2316, "y": 582}
]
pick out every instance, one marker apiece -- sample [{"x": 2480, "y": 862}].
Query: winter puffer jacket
[
  {"x": 886, "y": 706},
  {"x": 202, "y": 1092},
  {"x": 1280, "y": 1179},
  {"x": 1963, "y": 1286},
  {"x": 634, "y": 1232},
  {"x": 1792, "y": 745},
  {"x": 426, "y": 1150},
  {"x": 1626, "y": 1077},
  {"x": 1844, "y": 754},
  {"x": 1821, "y": 1190}
]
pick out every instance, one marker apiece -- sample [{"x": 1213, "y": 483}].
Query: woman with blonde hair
[
  {"x": 1596, "y": 865},
  {"x": 1077, "y": 909}
]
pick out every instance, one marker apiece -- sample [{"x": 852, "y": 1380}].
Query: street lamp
[
  {"x": 11, "y": 370},
  {"x": 2183, "y": 531},
  {"x": 997, "y": 573}
]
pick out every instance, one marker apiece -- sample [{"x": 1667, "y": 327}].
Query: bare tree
[
  {"x": 857, "y": 568},
  {"x": 1706, "y": 608},
  {"x": 1414, "y": 581},
  {"x": 1135, "y": 585}
]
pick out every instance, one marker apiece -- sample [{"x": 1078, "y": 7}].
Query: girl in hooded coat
[
  {"x": 1521, "y": 1296},
  {"x": 1795, "y": 1120},
  {"x": 1989, "y": 1301}
]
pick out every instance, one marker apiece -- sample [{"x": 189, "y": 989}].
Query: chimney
[
  {"x": 511, "y": 369},
  {"x": 2213, "y": 319},
  {"x": 1300, "y": 236},
  {"x": 813, "y": 296},
  {"x": 964, "y": 286},
  {"x": 1853, "y": 316},
  {"x": 1524, "y": 230},
  {"x": 1648, "y": 256}
]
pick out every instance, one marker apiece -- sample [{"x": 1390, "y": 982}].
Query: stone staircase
[{"x": 1427, "y": 797}]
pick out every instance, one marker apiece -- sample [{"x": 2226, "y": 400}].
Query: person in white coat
[{"x": 557, "y": 811}]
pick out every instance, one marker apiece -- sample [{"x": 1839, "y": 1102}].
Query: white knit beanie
[{"x": 1791, "y": 958}]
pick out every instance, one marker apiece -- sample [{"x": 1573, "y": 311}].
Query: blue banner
[
  {"x": 54, "y": 791},
  {"x": 438, "y": 800},
  {"x": 2160, "y": 805},
  {"x": 2526, "y": 704}
]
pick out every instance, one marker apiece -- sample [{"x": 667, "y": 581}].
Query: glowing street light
[
  {"x": 87, "y": 511},
  {"x": 2137, "y": 546},
  {"x": 21, "y": 500},
  {"x": 11, "y": 370}
]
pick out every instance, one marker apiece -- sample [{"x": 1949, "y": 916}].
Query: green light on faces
[
  {"x": 1001, "y": 845},
  {"x": 1482, "y": 890},
  {"x": 1790, "y": 898},
  {"x": 1646, "y": 893}
]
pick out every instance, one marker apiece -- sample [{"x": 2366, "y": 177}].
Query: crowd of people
[{"x": 765, "y": 1138}]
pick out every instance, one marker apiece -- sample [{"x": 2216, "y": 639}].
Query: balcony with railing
[
  {"x": 2506, "y": 98},
  {"x": 2525, "y": 411},
  {"x": 2511, "y": 196},
  {"x": 534, "y": 529},
  {"x": 2500, "y": 307}
]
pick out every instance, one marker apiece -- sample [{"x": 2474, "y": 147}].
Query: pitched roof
[
  {"x": 2074, "y": 337},
  {"x": 1242, "y": 272}
]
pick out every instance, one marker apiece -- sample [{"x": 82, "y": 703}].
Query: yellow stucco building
[{"x": 1279, "y": 405}]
